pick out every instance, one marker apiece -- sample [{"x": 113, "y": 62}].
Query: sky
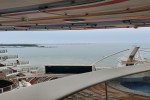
[{"x": 123, "y": 35}]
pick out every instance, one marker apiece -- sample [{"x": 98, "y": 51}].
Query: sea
[{"x": 75, "y": 54}]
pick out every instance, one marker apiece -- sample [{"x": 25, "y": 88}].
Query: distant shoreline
[
  {"x": 17, "y": 45},
  {"x": 24, "y": 45}
]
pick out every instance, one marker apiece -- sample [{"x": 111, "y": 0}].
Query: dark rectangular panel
[{"x": 68, "y": 69}]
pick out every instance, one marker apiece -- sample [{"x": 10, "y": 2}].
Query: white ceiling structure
[{"x": 73, "y": 14}]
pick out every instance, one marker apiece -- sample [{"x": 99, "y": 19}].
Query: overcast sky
[{"x": 127, "y": 35}]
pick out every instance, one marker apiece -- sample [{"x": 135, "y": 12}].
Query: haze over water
[
  {"x": 91, "y": 45},
  {"x": 74, "y": 54}
]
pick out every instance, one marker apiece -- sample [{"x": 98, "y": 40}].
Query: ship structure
[
  {"x": 123, "y": 88},
  {"x": 15, "y": 73}
]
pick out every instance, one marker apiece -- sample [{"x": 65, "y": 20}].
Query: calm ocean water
[{"x": 76, "y": 54}]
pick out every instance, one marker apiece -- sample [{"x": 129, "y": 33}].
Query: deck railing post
[
  {"x": 11, "y": 87},
  {"x": 106, "y": 92},
  {"x": 2, "y": 90}
]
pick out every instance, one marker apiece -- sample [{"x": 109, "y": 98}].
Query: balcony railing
[
  {"x": 5, "y": 57},
  {"x": 8, "y": 88},
  {"x": 23, "y": 62},
  {"x": 16, "y": 63},
  {"x": 8, "y": 71},
  {"x": 3, "y": 51}
]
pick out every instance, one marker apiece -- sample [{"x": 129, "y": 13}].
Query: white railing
[
  {"x": 5, "y": 57},
  {"x": 8, "y": 71},
  {"x": 23, "y": 62},
  {"x": 3, "y": 51},
  {"x": 15, "y": 63}
]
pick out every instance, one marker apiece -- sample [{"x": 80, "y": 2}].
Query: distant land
[
  {"x": 39, "y": 45},
  {"x": 18, "y": 45},
  {"x": 26, "y": 45}
]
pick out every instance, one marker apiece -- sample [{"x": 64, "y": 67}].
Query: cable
[
  {"x": 145, "y": 50},
  {"x": 109, "y": 56}
]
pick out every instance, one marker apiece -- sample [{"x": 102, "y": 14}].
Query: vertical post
[
  {"x": 106, "y": 92},
  {"x": 17, "y": 82},
  {"x": 2, "y": 90},
  {"x": 11, "y": 87}
]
